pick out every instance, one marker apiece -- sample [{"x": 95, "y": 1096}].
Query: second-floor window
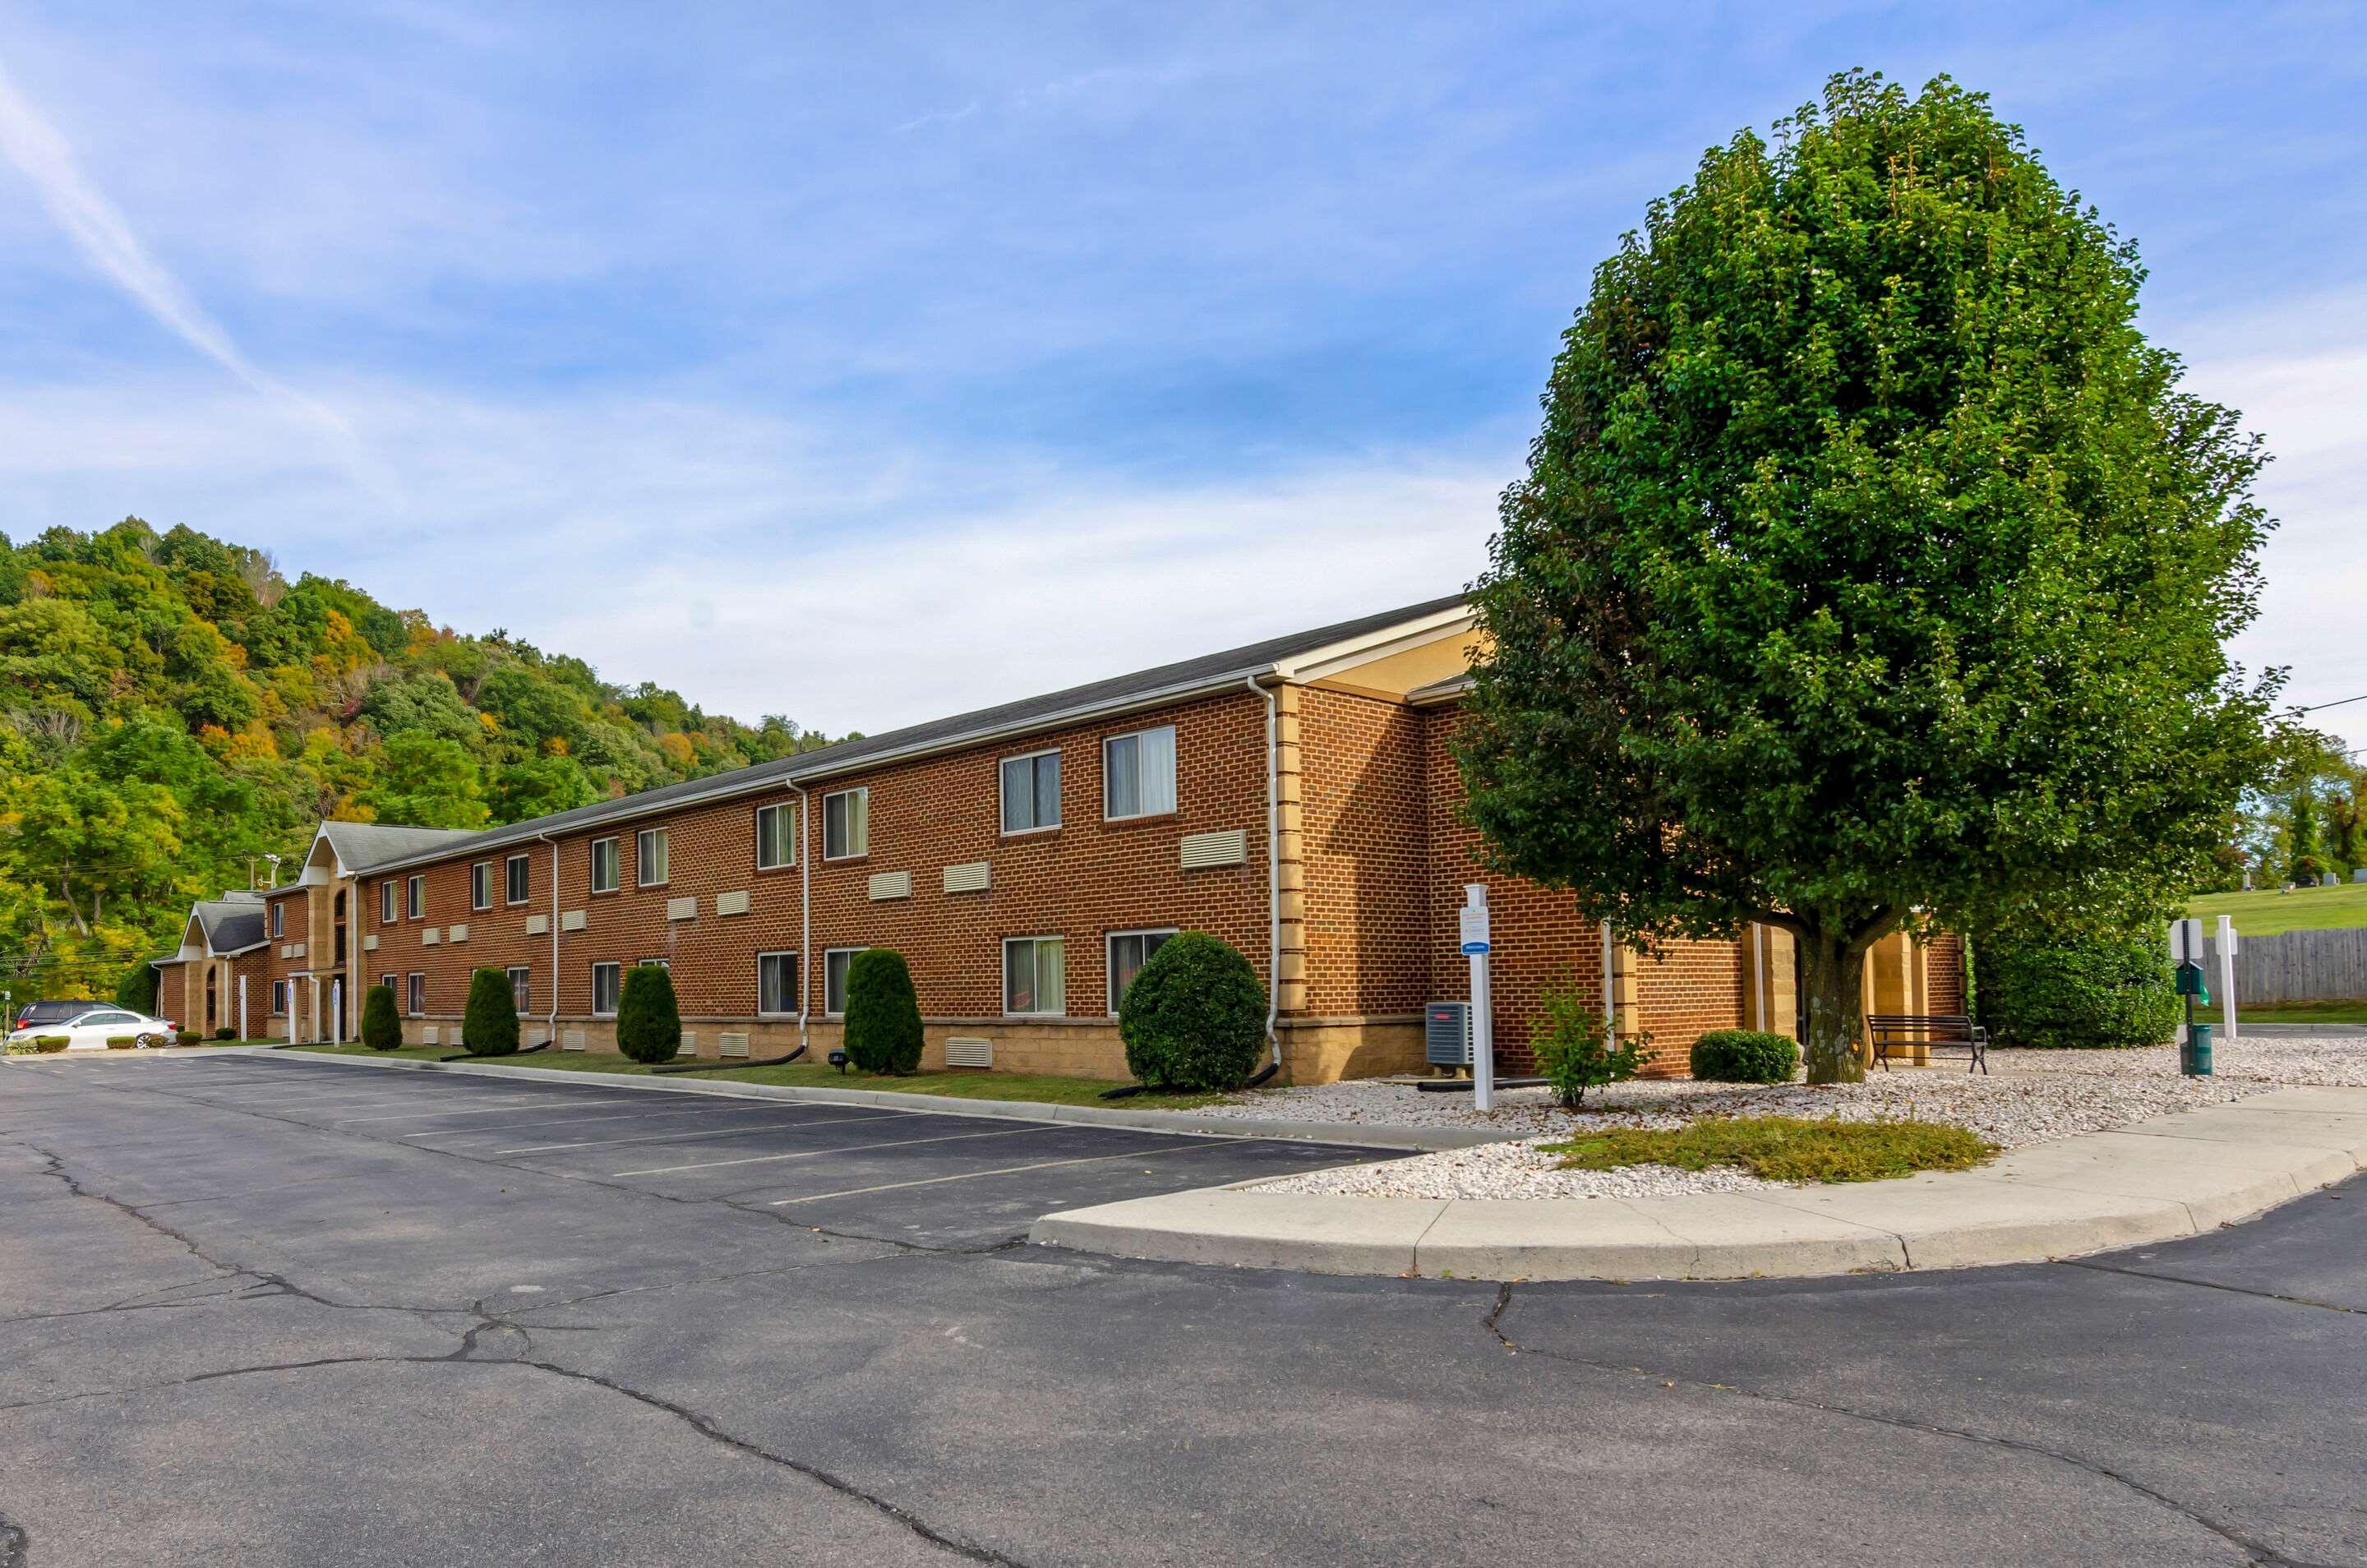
[
  {"x": 603, "y": 865},
  {"x": 415, "y": 897},
  {"x": 1138, "y": 773},
  {"x": 278, "y": 920},
  {"x": 776, "y": 836},
  {"x": 518, "y": 876},
  {"x": 1031, "y": 792},
  {"x": 846, "y": 823},
  {"x": 386, "y": 903},
  {"x": 481, "y": 885},
  {"x": 650, "y": 856}
]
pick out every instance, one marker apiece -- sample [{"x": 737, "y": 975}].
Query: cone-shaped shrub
[
  {"x": 381, "y": 1025},
  {"x": 1195, "y": 1017},
  {"x": 649, "y": 1024},
  {"x": 490, "y": 1026},
  {"x": 883, "y": 1014}
]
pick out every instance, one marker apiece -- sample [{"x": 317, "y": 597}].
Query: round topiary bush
[
  {"x": 489, "y": 1026},
  {"x": 1744, "y": 1055},
  {"x": 649, "y": 1024},
  {"x": 225, "y": 1032},
  {"x": 2063, "y": 990},
  {"x": 381, "y": 1024},
  {"x": 883, "y": 1012},
  {"x": 1194, "y": 1018}
]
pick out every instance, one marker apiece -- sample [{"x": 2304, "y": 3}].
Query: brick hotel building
[{"x": 1295, "y": 798}]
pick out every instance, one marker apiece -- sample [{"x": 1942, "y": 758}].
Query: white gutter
[
  {"x": 805, "y": 914},
  {"x": 1273, "y": 870}
]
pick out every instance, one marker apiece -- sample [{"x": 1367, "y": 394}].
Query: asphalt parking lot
[{"x": 272, "y": 1312}]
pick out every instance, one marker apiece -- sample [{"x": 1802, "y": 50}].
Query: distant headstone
[
  {"x": 2358, "y": 874},
  {"x": 2329, "y": 880}
]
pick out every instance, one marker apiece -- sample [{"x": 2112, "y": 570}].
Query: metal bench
[{"x": 1886, "y": 1030}]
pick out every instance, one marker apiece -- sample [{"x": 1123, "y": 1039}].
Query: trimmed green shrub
[
  {"x": 488, "y": 1024},
  {"x": 1744, "y": 1055},
  {"x": 225, "y": 1032},
  {"x": 50, "y": 1045},
  {"x": 121, "y": 1042},
  {"x": 883, "y": 1012},
  {"x": 22, "y": 1047},
  {"x": 1193, "y": 1019},
  {"x": 136, "y": 992},
  {"x": 2064, "y": 990},
  {"x": 1573, "y": 1053},
  {"x": 381, "y": 1024},
  {"x": 649, "y": 1024}
]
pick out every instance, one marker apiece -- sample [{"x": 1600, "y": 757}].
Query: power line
[{"x": 2346, "y": 702}]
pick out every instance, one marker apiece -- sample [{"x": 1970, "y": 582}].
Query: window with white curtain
[
  {"x": 1128, "y": 951},
  {"x": 1031, "y": 792},
  {"x": 1138, "y": 773},
  {"x": 1034, "y": 975}
]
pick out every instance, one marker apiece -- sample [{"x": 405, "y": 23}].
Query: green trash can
[{"x": 2194, "y": 1056}]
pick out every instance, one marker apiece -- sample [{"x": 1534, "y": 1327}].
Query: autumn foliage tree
[{"x": 1871, "y": 569}]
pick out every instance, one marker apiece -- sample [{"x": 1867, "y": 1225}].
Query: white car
[{"x": 91, "y": 1030}]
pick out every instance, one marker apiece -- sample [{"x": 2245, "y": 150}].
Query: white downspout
[
  {"x": 1610, "y": 987},
  {"x": 1273, "y": 868},
  {"x": 552, "y": 1036},
  {"x": 805, "y": 914}
]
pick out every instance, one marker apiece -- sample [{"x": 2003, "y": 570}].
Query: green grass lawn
[
  {"x": 2292, "y": 1012},
  {"x": 2268, "y": 913},
  {"x": 1039, "y": 1087}
]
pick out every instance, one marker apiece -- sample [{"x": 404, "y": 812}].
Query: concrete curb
[
  {"x": 2178, "y": 1176},
  {"x": 1355, "y": 1134}
]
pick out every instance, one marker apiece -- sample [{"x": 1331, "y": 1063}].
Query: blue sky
[{"x": 865, "y": 363}]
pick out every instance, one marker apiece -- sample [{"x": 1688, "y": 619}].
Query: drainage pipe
[
  {"x": 551, "y": 1036},
  {"x": 805, "y": 916},
  {"x": 1272, "y": 867}
]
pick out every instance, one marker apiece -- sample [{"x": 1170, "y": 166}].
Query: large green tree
[{"x": 1871, "y": 569}]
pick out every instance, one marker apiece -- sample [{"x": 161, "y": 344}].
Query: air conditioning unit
[{"x": 1446, "y": 1034}]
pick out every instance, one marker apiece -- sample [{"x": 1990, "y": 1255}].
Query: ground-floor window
[
  {"x": 834, "y": 978},
  {"x": 606, "y": 979},
  {"x": 777, "y": 983},
  {"x": 278, "y": 997},
  {"x": 418, "y": 993},
  {"x": 1128, "y": 951},
  {"x": 1034, "y": 975},
  {"x": 522, "y": 990}
]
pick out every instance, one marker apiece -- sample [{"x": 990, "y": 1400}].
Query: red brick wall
[
  {"x": 1690, "y": 989},
  {"x": 1079, "y": 882},
  {"x": 1944, "y": 972},
  {"x": 1364, "y": 831}
]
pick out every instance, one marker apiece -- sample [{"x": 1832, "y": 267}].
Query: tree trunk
[{"x": 1832, "y": 979}]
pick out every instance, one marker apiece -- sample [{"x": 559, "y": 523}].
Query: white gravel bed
[{"x": 2029, "y": 1096}]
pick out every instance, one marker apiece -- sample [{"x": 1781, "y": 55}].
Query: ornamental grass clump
[
  {"x": 1783, "y": 1148},
  {"x": 649, "y": 1022},
  {"x": 488, "y": 1027},
  {"x": 883, "y": 1013}
]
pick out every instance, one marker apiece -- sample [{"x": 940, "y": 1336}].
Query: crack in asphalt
[
  {"x": 16, "y": 1546},
  {"x": 2208, "y": 1285},
  {"x": 2260, "y": 1552}
]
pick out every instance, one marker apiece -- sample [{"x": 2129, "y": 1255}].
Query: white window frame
[
  {"x": 1109, "y": 957},
  {"x": 787, "y": 809},
  {"x": 278, "y": 999},
  {"x": 507, "y": 866},
  {"x": 414, "y": 998},
  {"x": 664, "y": 963},
  {"x": 1174, "y": 767},
  {"x": 525, "y": 999},
  {"x": 481, "y": 885},
  {"x": 386, "y": 916},
  {"x": 1002, "y": 793},
  {"x": 1061, "y": 1012},
  {"x": 591, "y": 865},
  {"x": 618, "y": 970},
  {"x": 642, "y": 840},
  {"x": 415, "y": 898},
  {"x": 863, "y": 791},
  {"x": 798, "y": 982},
  {"x": 827, "y": 954},
  {"x": 278, "y": 918}
]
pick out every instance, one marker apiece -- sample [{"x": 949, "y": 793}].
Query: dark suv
[{"x": 51, "y": 1013}]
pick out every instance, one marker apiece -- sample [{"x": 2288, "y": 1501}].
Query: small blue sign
[{"x": 1473, "y": 949}]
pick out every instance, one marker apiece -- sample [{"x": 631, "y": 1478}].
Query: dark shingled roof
[
  {"x": 360, "y": 845},
  {"x": 1206, "y": 671},
  {"x": 232, "y": 923}
]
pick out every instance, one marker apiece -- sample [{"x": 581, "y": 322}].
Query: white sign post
[
  {"x": 243, "y": 1034},
  {"x": 1474, "y": 915},
  {"x": 2227, "y": 971},
  {"x": 337, "y": 1011}
]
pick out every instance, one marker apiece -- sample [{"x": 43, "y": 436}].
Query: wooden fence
[{"x": 2298, "y": 966}]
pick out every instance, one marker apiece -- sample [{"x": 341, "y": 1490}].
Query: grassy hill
[
  {"x": 2268, "y": 913},
  {"x": 172, "y": 710}
]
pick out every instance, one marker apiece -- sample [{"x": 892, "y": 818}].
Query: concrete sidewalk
[{"x": 2175, "y": 1176}]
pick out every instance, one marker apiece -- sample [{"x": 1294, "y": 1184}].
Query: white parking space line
[
  {"x": 563, "y": 1120},
  {"x": 488, "y": 1111},
  {"x": 1005, "y": 1170},
  {"x": 711, "y": 1133},
  {"x": 841, "y": 1149}
]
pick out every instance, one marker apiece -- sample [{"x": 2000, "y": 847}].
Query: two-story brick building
[{"x": 1296, "y": 797}]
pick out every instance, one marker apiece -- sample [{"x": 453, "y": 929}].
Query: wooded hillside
[{"x": 170, "y": 710}]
